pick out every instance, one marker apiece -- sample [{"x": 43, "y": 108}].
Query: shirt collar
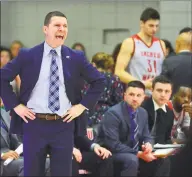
[
  {"x": 156, "y": 106},
  {"x": 48, "y": 48}
]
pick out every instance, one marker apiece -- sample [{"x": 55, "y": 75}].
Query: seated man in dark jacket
[
  {"x": 160, "y": 116},
  {"x": 91, "y": 158},
  {"x": 9, "y": 143}
]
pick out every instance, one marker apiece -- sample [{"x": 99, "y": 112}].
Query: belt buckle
[{"x": 46, "y": 117}]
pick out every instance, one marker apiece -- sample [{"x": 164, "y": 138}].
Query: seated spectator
[
  {"x": 123, "y": 129},
  {"x": 79, "y": 46},
  {"x": 182, "y": 114},
  {"x": 113, "y": 91},
  {"x": 91, "y": 157},
  {"x": 169, "y": 48},
  {"x": 9, "y": 142},
  {"x": 5, "y": 58},
  {"x": 15, "y": 47},
  {"x": 160, "y": 116},
  {"x": 186, "y": 30}
]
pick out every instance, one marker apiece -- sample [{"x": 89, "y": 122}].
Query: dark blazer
[
  {"x": 178, "y": 69},
  {"x": 82, "y": 143},
  {"x": 28, "y": 64},
  {"x": 164, "y": 127},
  {"x": 114, "y": 130}
]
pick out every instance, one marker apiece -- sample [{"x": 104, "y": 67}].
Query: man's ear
[
  {"x": 45, "y": 29},
  {"x": 144, "y": 96}
]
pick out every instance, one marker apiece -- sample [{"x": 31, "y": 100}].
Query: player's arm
[
  {"x": 163, "y": 47},
  {"x": 123, "y": 60},
  {"x": 18, "y": 81}
]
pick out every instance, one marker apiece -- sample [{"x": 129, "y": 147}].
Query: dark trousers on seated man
[
  {"x": 159, "y": 167},
  {"x": 91, "y": 158},
  {"x": 128, "y": 164}
]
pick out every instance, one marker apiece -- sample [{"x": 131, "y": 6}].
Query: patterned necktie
[
  {"x": 3, "y": 125},
  {"x": 53, "y": 102},
  {"x": 135, "y": 131}
]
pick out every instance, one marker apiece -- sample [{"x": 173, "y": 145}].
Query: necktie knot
[
  {"x": 160, "y": 115},
  {"x": 133, "y": 115},
  {"x": 53, "y": 52},
  {"x": 160, "y": 111}
]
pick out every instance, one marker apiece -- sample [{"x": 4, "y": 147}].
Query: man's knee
[
  {"x": 165, "y": 165},
  {"x": 14, "y": 168},
  {"x": 131, "y": 160},
  {"x": 127, "y": 160},
  {"x": 126, "y": 164},
  {"x": 107, "y": 162},
  {"x": 163, "y": 162}
]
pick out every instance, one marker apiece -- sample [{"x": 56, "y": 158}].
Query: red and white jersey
[{"x": 146, "y": 61}]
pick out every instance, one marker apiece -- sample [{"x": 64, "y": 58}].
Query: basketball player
[{"x": 141, "y": 55}]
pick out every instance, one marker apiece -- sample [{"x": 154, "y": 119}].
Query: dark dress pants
[
  {"x": 94, "y": 164},
  {"x": 156, "y": 168},
  {"x": 42, "y": 137},
  {"x": 127, "y": 164}
]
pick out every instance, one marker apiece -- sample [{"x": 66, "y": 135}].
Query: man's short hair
[
  {"x": 182, "y": 87},
  {"x": 149, "y": 14},
  {"x": 52, "y": 14},
  {"x": 136, "y": 84},
  {"x": 185, "y": 30},
  {"x": 161, "y": 79},
  {"x": 168, "y": 45}
]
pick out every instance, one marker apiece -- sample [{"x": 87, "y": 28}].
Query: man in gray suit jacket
[
  {"x": 123, "y": 129},
  {"x": 9, "y": 142}
]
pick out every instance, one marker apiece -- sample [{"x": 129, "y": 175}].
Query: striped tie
[
  {"x": 53, "y": 102},
  {"x": 3, "y": 125},
  {"x": 135, "y": 131}
]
